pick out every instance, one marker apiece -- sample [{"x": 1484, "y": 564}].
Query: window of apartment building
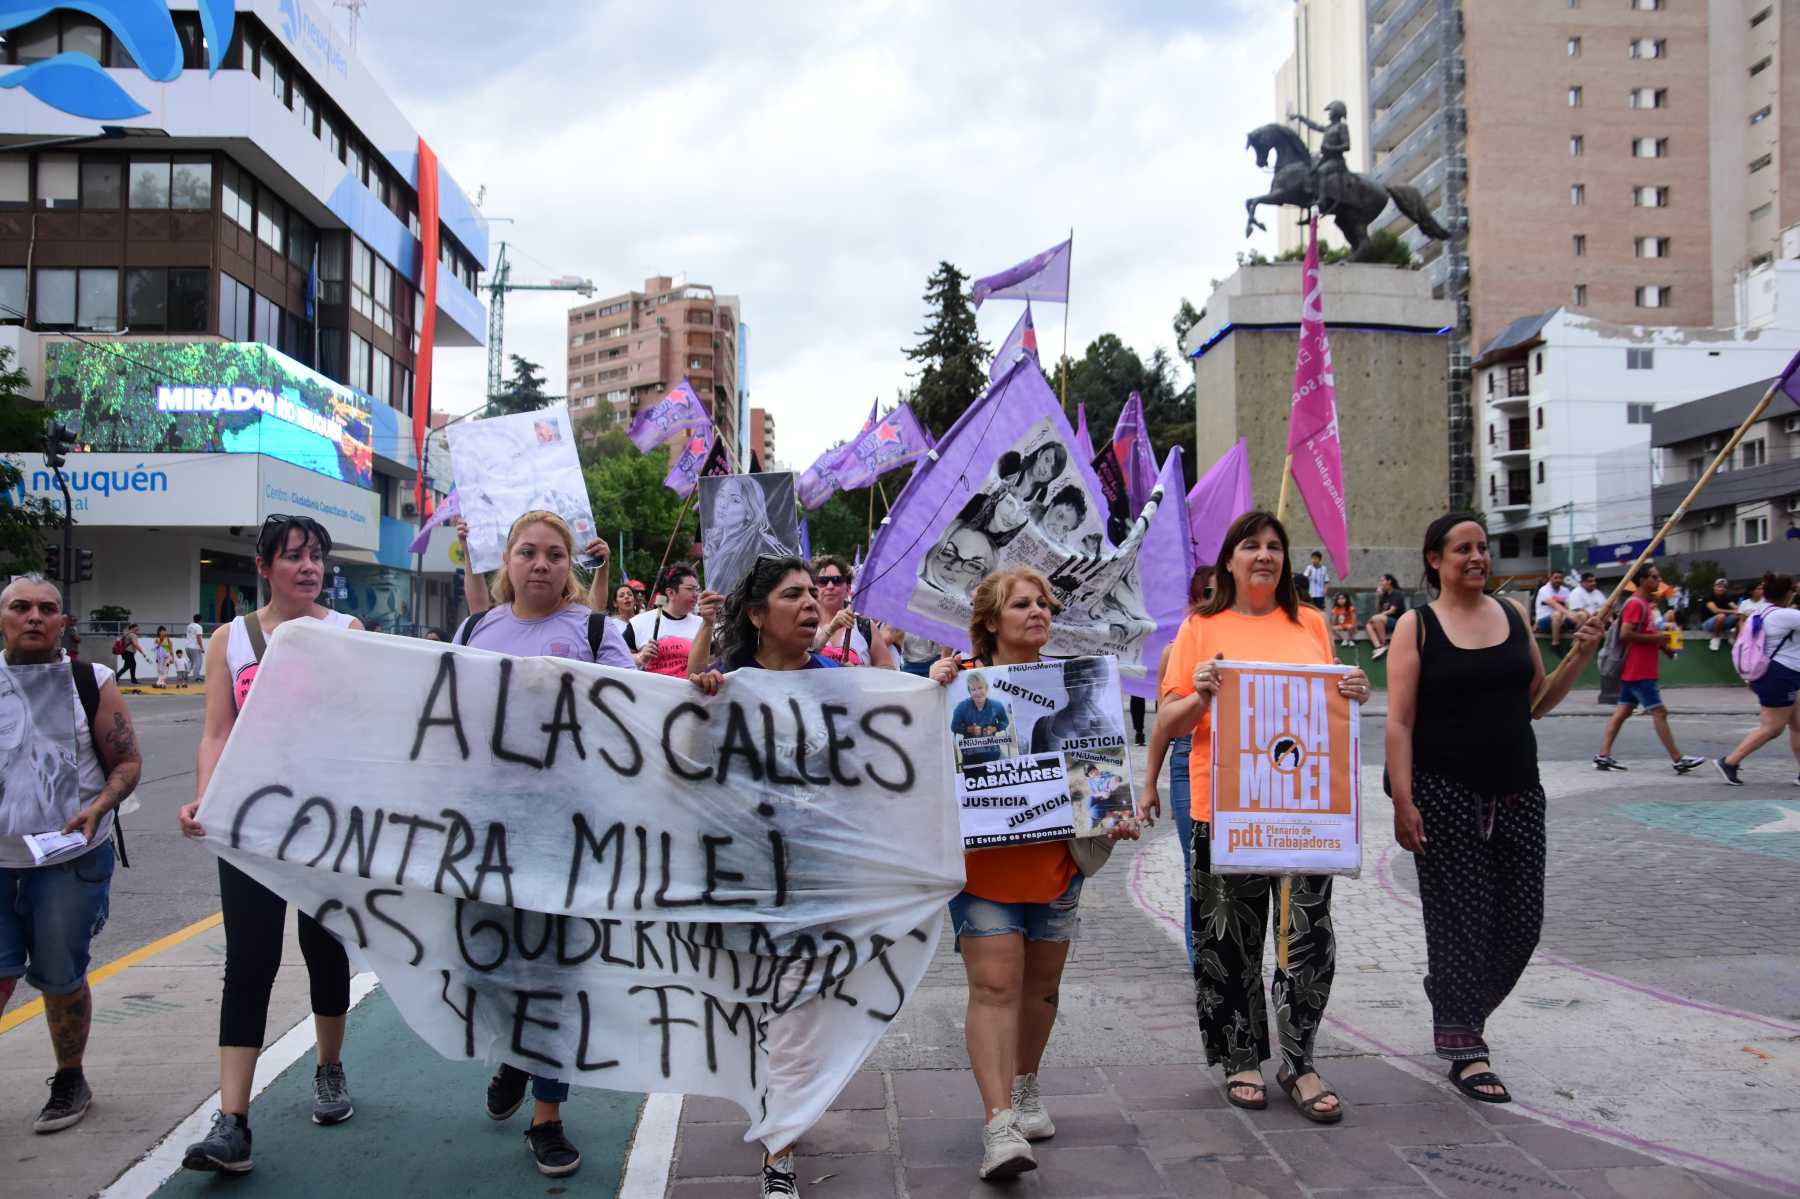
[
  {"x": 1640, "y": 360},
  {"x": 76, "y": 299},
  {"x": 1578, "y": 298},
  {"x": 1761, "y": 65},
  {"x": 179, "y": 183},
  {"x": 102, "y": 183},
  {"x": 331, "y": 354},
  {"x": 1646, "y": 5},
  {"x": 1491, "y": 375},
  {"x": 1762, "y": 114},
  {"x": 1762, "y": 16},
  {"x": 1761, "y": 161},
  {"x": 381, "y": 377},
  {"x": 303, "y": 240},
  {"x": 1577, "y": 195},
  {"x": 1650, "y": 247},
  {"x": 169, "y": 301},
  {"x": 1761, "y": 211},
  {"x": 12, "y": 295},
  {"x": 235, "y": 309},
  {"x": 1540, "y": 472},
  {"x": 1490, "y": 435},
  {"x": 58, "y": 181},
  {"x": 271, "y": 221},
  {"x": 1650, "y": 197},
  {"x": 270, "y": 320},
  {"x": 236, "y": 197},
  {"x": 1756, "y": 530},
  {"x": 1647, "y": 47},
  {"x": 1540, "y": 416},
  {"x": 1575, "y": 96},
  {"x": 1537, "y": 363},
  {"x": 1574, "y": 48},
  {"x": 1579, "y": 244},
  {"x": 15, "y": 181},
  {"x": 360, "y": 352},
  {"x": 1639, "y": 414},
  {"x": 1649, "y": 97},
  {"x": 1696, "y": 467},
  {"x": 1576, "y": 145},
  {"x": 359, "y": 169},
  {"x": 362, "y": 279},
  {"x": 1654, "y": 295},
  {"x": 1649, "y": 147},
  {"x": 332, "y": 136},
  {"x": 383, "y": 295},
  {"x": 1753, "y": 453}
]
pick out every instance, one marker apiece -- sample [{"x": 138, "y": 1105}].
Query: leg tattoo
[{"x": 69, "y": 1017}]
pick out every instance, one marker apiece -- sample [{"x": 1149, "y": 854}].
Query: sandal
[
  {"x": 1310, "y": 1107},
  {"x": 1469, "y": 1084},
  {"x": 1256, "y": 1103}
]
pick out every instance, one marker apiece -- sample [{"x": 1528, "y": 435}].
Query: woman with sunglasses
[
  {"x": 843, "y": 636},
  {"x": 290, "y": 557}
]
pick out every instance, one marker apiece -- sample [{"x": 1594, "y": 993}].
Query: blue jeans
[
  {"x": 49, "y": 916},
  {"x": 548, "y": 1090},
  {"x": 1179, "y": 799},
  {"x": 973, "y": 916}
]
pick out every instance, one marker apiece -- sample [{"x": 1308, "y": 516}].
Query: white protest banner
[
  {"x": 604, "y": 876},
  {"x": 1286, "y": 771},
  {"x": 506, "y": 466},
  {"x": 1040, "y": 752}
]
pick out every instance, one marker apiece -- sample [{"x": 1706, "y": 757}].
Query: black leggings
[
  {"x": 254, "y": 916},
  {"x": 130, "y": 666}
]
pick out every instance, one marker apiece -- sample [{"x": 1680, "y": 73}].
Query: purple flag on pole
[
  {"x": 686, "y": 471},
  {"x": 805, "y": 540},
  {"x": 1313, "y": 421},
  {"x": 1041, "y": 277},
  {"x": 1084, "y": 442},
  {"x": 1131, "y": 443},
  {"x": 450, "y": 509},
  {"x": 1221, "y": 496},
  {"x": 1789, "y": 382},
  {"x": 820, "y": 481},
  {"x": 664, "y": 421},
  {"x": 1022, "y": 340},
  {"x": 1004, "y": 490},
  {"x": 892, "y": 441}
]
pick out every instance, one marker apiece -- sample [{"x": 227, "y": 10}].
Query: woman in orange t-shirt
[
  {"x": 1254, "y": 615},
  {"x": 1016, "y": 915}
]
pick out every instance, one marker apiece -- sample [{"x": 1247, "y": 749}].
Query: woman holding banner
[
  {"x": 1254, "y": 615},
  {"x": 1463, "y": 771},
  {"x": 1016, "y": 916},
  {"x": 290, "y": 556}
]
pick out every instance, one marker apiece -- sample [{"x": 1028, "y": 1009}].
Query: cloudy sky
[{"x": 819, "y": 160}]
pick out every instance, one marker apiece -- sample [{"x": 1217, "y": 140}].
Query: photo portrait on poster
[
  {"x": 506, "y": 466},
  {"x": 39, "y": 790},
  {"x": 1040, "y": 751},
  {"x": 1286, "y": 761},
  {"x": 743, "y": 518}
]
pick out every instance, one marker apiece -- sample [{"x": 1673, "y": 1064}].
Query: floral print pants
[
  {"x": 1481, "y": 883},
  {"x": 1230, "y": 914}
]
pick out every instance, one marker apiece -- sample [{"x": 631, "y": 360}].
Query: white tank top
[{"x": 240, "y": 658}]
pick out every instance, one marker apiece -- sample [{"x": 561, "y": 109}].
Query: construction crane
[{"x": 499, "y": 283}]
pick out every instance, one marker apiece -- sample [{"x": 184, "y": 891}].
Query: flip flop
[
  {"x": 1469, "y": 1084},
  {"x": 1310, "y": 1107},
  {"x": 1255, "y": 1105}
]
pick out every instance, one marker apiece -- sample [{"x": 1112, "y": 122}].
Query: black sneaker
[
  {"x": 779, "y": 1179},
  {"x": 506, "y": 1091},
  {"x": 1607, "y": 762},
  {"x": 226, "y": 1147},
  {"x": 554, "y": 1155},
  {"x": 1730, "y": 773},
  {"x": 331, "y": 1095},
  {"x": 69, "y": 1101}
]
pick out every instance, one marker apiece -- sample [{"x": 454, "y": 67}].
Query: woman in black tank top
[{"x": 1463, "y": 772}]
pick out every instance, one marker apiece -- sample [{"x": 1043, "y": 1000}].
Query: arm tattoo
[
  {"x": 121, "y": 742},
  {"x": 125, "y": 763}
]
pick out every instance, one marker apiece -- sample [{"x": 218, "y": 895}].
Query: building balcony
[
  {"x": 1771, "y": 482},
  {"x": 1415, "y": 153},
  {"x": 1511, "y": 449},
  {"x": 1418, "y": 54},
  {"x": 1397, "y": 22},
  {"x": 1510, "y": 501},
  {"x": 1390, "y": 126},
  {"x": 1502, "y": 401}
]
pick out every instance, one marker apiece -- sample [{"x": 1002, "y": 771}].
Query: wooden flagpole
[
  {"x": 673, "y": 533},
  {"x": 1569, "y": 662}
]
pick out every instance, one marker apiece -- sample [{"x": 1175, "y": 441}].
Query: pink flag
[
  {"x": 1318, "y": 459},
  {"x": 1131, "y": 445},
  {"x": 1221, "y": 496}
]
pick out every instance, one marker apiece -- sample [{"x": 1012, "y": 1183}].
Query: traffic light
[
  {"x": 57, "y": 443},
  {"x": 53, "y": 564},
  {"x": 84, "y": 566}
]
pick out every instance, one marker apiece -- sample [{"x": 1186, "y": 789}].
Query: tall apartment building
[
  {"x": 630, "y": 349},
  {"x": 1329, "y": 62},
  {"x": 762, "y": 436}
]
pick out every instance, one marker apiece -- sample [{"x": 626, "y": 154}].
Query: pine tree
[
  {"x": 524, "y": 391},
  {"x": 951, "y": 351}
]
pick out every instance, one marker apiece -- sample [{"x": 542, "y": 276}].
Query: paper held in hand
[
  {"x": 44, "y": 846},
  {"x": 1286, "y": 771}
]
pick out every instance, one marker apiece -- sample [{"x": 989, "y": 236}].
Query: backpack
[
  {"x": 596, "y": 630},
  {"x": 1612, "y": 651},
  {"x": 1751, "y": 654},
  {"x": 87, "y": 689}
]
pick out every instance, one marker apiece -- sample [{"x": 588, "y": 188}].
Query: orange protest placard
[{"x": 1286, "y": 762}]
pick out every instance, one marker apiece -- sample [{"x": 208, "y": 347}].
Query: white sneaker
[
  {"x": 1005, "y": 1153},
  {"x": 778, "y": 1179},
  {"x": 1713, "y": 645},
  {"x": 1034, "y": 1121},
  {"x": 1379, "y": 650}
]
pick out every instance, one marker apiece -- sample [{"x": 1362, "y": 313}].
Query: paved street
[{"x": 1654, "y": 1046}]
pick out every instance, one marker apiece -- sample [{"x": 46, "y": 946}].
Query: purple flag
[
  {"x": 679, "y": 411},
  {"x": 450, "y": 509},
  {"x": 1042, "y": 277},
  {"x": 1131, "y": 443},
  {"x": 1021, "y": 341},
  {"x": 1221, "y": 496},
  {"x": 1084, "y": 442},
  {"x": 820, "y": 481},
  {"x": 1789, "y": 382},
  {"x": 805, "y": 540},
  {"x": 892, "y": 441},
  {"x": 696, "y": 455},
  {"x": 1004, "y": 490}
]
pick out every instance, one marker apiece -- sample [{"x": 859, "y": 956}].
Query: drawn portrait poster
[
  {"x": 1286, "y": 757},
  {"x": 506, "y": 466},
  {"x": 743, "y": 518},
  {"x": 1040, "y": 752},
  {"x": 39, "y": 789}
]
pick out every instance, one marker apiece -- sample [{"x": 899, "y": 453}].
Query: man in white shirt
[
  {"x": 1553, "y": 608},
  {"x": 196, "y": 649},
  {"x": 1586, "y": 600}
]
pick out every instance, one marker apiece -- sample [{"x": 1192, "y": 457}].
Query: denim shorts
[
  {"x": 1777, "y": 687},
  {"x": 49, "y": 916},
  {"x": 1641, "y": 693},
  {"x": 973, "y": 916}
]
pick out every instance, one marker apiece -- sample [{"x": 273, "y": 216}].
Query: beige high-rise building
[
  {"x": 762, "y": 436},
  {"x": 1329, "y": 62},
  {"x": 629, "y": 350}
]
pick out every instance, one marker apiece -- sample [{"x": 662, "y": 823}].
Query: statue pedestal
[{"x": 1390, "y": 355}]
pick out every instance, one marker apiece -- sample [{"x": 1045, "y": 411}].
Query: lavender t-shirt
[{"x": 562, "y": 634}]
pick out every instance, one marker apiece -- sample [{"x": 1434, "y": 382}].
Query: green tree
[
  {"x": 952, "y": 356},
  {"x": 21, "y": 430},
  {"x": 524, "y": 392},
  {"x": 1186, "y": 317},
  {"x": 1385, "y": 246}
]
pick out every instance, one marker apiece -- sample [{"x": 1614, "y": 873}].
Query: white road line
[
  {"x": 652, "y": 1149},
  {"x": 162, "y": 1162}
]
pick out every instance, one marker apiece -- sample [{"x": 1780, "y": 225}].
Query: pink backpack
[{"x": 1751, "y": 653}]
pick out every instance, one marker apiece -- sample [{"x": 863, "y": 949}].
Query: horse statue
[{"x": 1362, "y": 199}]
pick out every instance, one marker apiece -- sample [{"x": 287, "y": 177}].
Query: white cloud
[{"x": 819, "y": 160}]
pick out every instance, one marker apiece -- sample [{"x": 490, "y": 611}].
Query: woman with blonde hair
[{"x": 1016, "y": 916}]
